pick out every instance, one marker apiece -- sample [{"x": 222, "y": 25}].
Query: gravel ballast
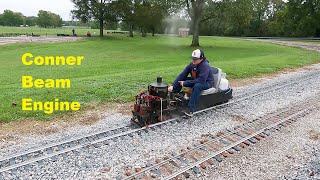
[
  {"x": 303, "y": 45},
  {"x": 292, "y": 153},
  {"x": 41, "y": 39},
  {"x": 110, "y": 161}
]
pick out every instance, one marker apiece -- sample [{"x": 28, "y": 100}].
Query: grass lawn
[
  {"x": 50, "y": 31},
  {"x": 117, "y": 67}
]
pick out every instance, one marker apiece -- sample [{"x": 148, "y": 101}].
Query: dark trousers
[{"x": 196, "y": 93}]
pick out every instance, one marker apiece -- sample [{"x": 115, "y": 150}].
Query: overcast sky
[{"x": 32, "y": 7}]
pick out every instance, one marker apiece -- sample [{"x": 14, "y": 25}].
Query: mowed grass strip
[{"x": 117, "y": 67}]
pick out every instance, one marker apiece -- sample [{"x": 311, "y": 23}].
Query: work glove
[{"x": 170, "y": 88}]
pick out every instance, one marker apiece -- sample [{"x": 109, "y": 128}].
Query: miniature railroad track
[
  {"x": 51, "y": 150},
  {"x": 278, "y": 86},
  {"x": 190, "y": 162},
  {"x": 28, "y": 158}
]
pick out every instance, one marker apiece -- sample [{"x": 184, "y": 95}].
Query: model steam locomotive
[{"x": 156, "y": 104}]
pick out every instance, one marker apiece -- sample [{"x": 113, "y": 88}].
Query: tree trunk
[
  {"x": 101, "y": 27},
  {"x": 153, "y": 32},
  {"x": 130, "y": 29},
  {"x": 101, "y": 18},
  {"x": 195, "y": 12},
  {"x": 196, "y": 28}
]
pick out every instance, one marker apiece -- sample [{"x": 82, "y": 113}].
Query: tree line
[
  {"x": 294, "y": 18},
  {"x": 44, "y": 19},
  {"x": 291, "y": 18}
]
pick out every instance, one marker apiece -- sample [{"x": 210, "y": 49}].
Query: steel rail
[
  {"x": 215, "y": 139},
  {"x": 235, "y": 144}
]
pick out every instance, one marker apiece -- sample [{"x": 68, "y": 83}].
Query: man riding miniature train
[
  {"x": 209, "y": 88},
  {"x": 201, "y": 79}
]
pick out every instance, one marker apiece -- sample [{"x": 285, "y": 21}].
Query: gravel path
[
  {"x": 41, "y": 39},
  {"x": 303, "y": 45},
  {"x": 307, "y": 46}
]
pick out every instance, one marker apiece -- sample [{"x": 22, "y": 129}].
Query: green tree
[
  {"x": 215, "y": 18},
  {"x": 44, "y": 19},
  {"x": 263, "y": 13},
  {"x": 126, "y": 12},
  {"x": 10, "y": 18},
  {"x": 239, "y": 17},
  {"x": 99, "y": 10},
  {"x": 298, "y": 18},
  {"x": 144, "y": 15},
  {"x": 157, "y": 11},
  {"x": 48, "y": 19},
  {"x": 1, "y": 20},
  {"x": 56, "y": 20},
  {"x": 30, "y": 21}
]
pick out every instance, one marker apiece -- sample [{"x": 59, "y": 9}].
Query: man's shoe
[{"x": 188, "y": 113}]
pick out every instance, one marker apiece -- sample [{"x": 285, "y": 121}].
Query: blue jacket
[{"x": 201, "y": 73}]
